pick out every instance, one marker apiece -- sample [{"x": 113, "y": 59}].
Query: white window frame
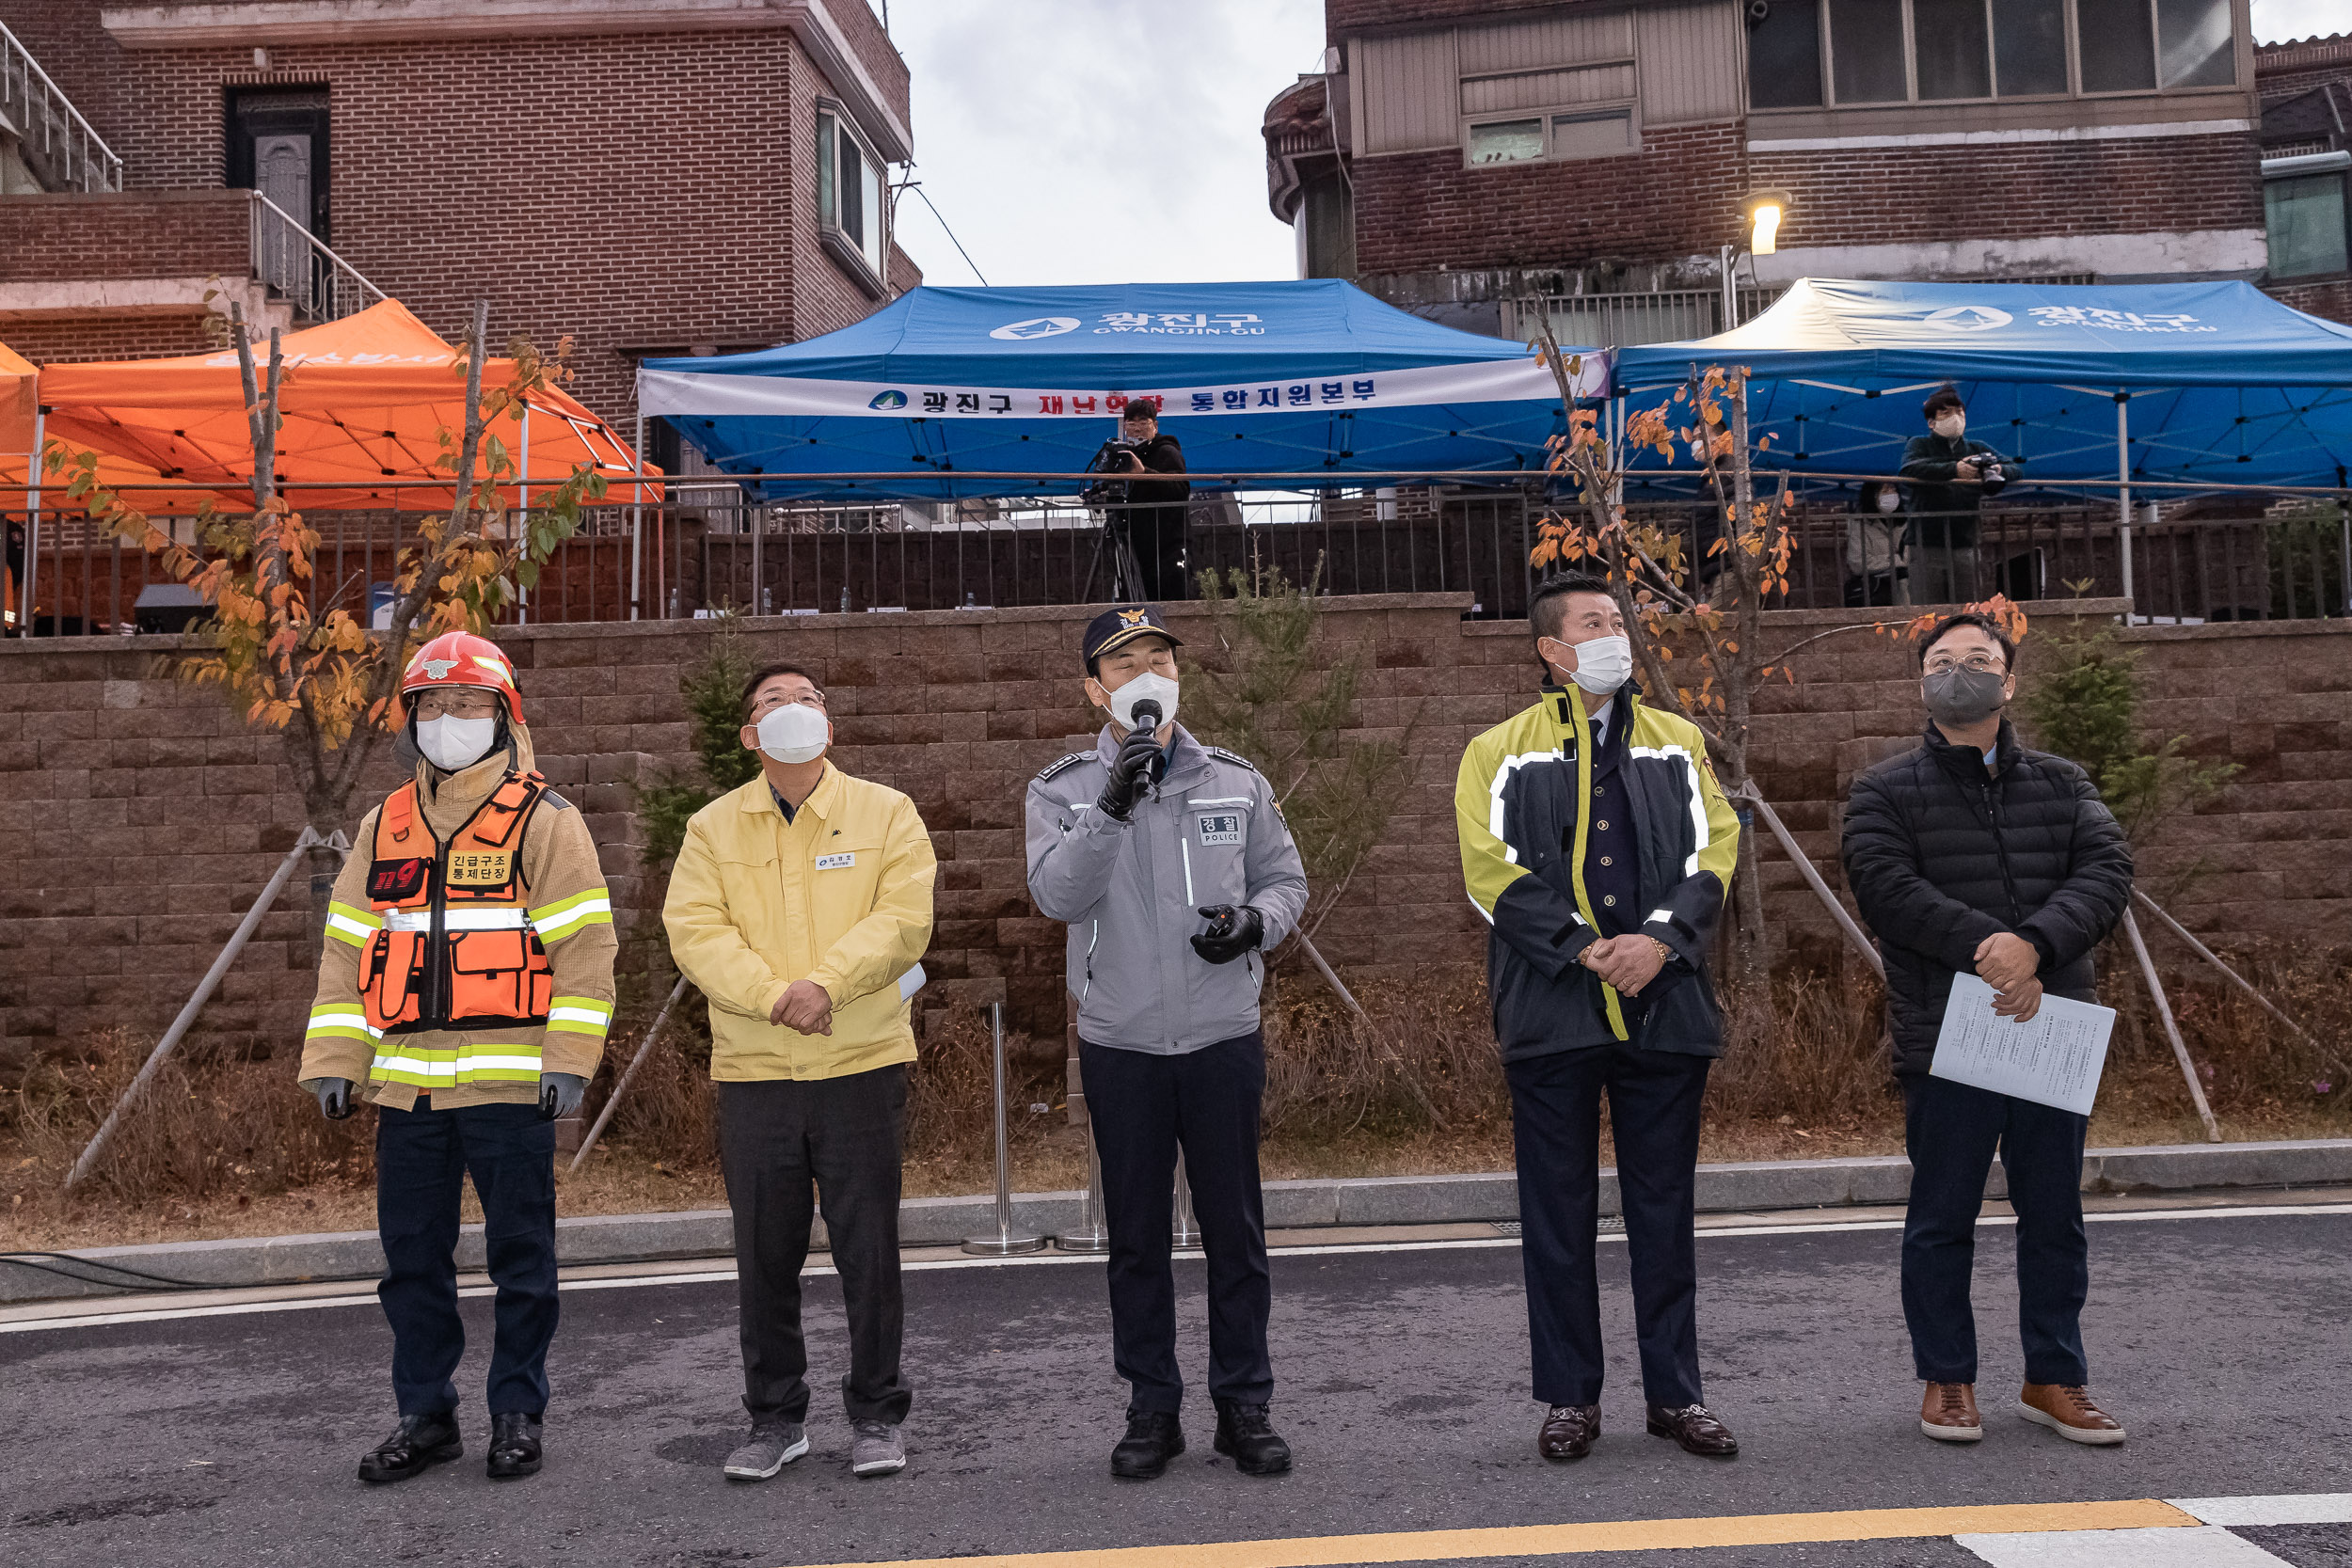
[
  {"x": 873, "y": 272},
  {"x": 1549, "y": 118}
]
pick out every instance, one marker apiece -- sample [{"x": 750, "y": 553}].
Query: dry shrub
[
  {"x": 1816, "y": 1056},
  {"x": 1419, "y": 1059},
  {"x": 670, "y": 1117},
  {"x": 2253, "y": 1067},
  {"x": 951, "y": 1098},
  {"x": 204, "y": 1127}
]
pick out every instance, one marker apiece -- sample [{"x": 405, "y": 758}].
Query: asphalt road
[{"x": 2221, "y": 1342}]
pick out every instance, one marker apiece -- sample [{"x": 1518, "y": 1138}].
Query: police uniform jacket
[
  {"x": 1207, "y": 833},
  {"x": 1539, "y": 807}
]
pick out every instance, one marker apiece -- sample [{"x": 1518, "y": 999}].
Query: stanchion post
[
  {"x": 1186, "y": 1235},
  {"x": 1005, "y": 1241},
  {"x": 1092, "y": 1233}
]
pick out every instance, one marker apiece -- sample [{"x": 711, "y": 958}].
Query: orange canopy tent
[
  {"x": 363, "y": 404},
  {"x": 20, "y": 402}
]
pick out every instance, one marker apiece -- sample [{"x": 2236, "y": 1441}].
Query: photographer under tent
[
  {"x": 1950, "y": 477},
  {"x": 1146, "y": 515}
]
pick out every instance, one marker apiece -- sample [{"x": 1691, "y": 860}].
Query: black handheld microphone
[{"x": 1147, "y": 715}]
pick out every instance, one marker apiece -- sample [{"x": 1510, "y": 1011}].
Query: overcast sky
[{"x": 1025, "y": 111}]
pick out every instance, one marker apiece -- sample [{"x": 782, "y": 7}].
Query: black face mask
[{"x": 1962, "y": 696}]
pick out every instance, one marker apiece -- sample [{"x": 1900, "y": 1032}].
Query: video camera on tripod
[{"x": 1111, "y": 458}]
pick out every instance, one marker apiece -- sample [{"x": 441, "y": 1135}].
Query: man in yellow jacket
[
  {"x": 465, "y": 989},
  {"x": 801, "y": 905}
]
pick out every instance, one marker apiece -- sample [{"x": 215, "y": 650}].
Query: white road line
[
  {"x": 2308, "y": 1508},
  {"x": 630, "y": 1282},
  {"x": 2196, "y": 1546}
]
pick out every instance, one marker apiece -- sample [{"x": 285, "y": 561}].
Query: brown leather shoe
[
  {"x": 2066, "y": 1409},
  {"x": 1568, "y": 1432},
  {"x": 1695, "y": 1428},
  {"x": 1948, "y": 1413}
]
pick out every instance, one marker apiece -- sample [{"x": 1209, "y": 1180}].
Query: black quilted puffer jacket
[{"x": 1940, "y": 854}]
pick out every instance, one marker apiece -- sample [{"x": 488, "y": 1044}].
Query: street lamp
[{"x": 1763, "y": 209}]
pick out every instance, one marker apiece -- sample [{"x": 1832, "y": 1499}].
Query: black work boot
[
  {"x": 1248, "y": 1439},
  {"x": 1154, "y": 1437},
  {"x": 514, "y": 1446},
  {"x": 421, "y": 1442}
]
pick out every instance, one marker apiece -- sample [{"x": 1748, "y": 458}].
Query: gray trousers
[
  {"x": 844, "y": 1138},
  {"x": 1944, "y": 574}
]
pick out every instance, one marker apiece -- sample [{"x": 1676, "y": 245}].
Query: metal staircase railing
[
  {"x": 297, "y": 263},
  {"x": 65, "y": 152}
]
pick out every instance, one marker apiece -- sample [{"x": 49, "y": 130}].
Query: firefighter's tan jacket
[
  {"x": 841, "y": 895},
  {"x": 571, "y": 912}
]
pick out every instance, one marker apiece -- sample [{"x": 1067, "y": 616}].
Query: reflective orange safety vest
[{"x": 457, "y": 949}]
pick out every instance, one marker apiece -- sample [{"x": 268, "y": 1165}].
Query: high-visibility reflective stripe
[
  {"x": 334, "y": 1020},
  {"x": 602, "y": 1010},
  {"x": 586, "y": 910},
  {"x": 501, "y": 919},
  {"x": 579, "y": 1020},
  {"x": 344, "y": 928},
  {"x": 340, "y": 1032},
  {"x": 365, "y": 917}
]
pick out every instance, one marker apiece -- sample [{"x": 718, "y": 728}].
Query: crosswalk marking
[
  {"x": 2205, "y": 1547},
  {"x": 2306, "y": 1508}
]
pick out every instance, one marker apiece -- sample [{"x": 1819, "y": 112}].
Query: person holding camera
[
  {"x": 1171, "y": 865},
  {"x": 1950, "y": 476},
  {"x": 1150, "y": 517}
]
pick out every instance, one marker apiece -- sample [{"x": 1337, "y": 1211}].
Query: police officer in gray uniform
[{"x": 1176, "y": 873}]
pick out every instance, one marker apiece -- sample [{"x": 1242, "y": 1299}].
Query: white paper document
[{"x": 2054, "y": 1058}]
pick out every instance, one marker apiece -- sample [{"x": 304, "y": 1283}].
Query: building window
[
  {"x": 1807, "y": 54},
  {"x": 849, "y": 178},
  {"x": 1570, "y": 134},
  {"x": 1507, "y": 141},
  {"x": 2305, "y": 217}
]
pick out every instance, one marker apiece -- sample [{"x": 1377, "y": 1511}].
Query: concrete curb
[{"x": 1288, "y": 1205}]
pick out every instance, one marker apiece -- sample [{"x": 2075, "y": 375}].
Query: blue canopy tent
[
  {"x": 2182, "y": 384},
  {"x": 951, "y": 392}
]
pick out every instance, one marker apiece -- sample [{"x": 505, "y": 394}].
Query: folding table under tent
[
  {"x": 956, "y": 392},
  {"x": 2182, "y": 384}
]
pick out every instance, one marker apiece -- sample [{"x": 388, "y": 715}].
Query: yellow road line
[{"x": 1638, "y": 1535}]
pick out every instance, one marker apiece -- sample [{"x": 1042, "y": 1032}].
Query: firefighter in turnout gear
[{"x": 465, "y": 991}]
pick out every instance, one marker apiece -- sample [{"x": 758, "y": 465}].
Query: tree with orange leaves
[{"x": 287, "y": 658}]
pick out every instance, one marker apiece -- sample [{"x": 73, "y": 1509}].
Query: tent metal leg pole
[
  {"x": 2172, "y": 1029},
  {"x": 522, "y": 594},
  {"x": 2123, "y": 495},
  {"x": 180, "y": 1026},
  {"x": 32, "y": 526},
  {"x": 637, "y": 526}
]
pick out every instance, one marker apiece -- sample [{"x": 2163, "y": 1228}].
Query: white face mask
[
  {"x": 1950, "y": 426},
  {"x": 1888, "y": 500},
  {"x": 1603, "y": 664},
  {"x": 451, "y": 743},
  {"x": 1151, "y": 684},
  {"x": 795, "y": 733}
]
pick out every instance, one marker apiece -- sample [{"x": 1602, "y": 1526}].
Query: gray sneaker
[
  {"x": 878, "y": 1451},
  {"x": 773, "y": 1447}
]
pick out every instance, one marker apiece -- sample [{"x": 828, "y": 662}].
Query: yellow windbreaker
[{"x": 841, "y": 895}]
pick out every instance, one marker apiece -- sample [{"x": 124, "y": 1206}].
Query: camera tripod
[{"x": 1114, "y": 556}]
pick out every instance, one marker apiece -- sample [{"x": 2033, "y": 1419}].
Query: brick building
[
  {"x": 2307, "y": 171},
  {"x": 1468, "y": 158},
  {"x": 647, "y": 178}
]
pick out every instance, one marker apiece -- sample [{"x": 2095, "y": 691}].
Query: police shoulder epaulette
[
  {"x": 1063, "y": 765},
  {"x": 1230, "y": 756}
]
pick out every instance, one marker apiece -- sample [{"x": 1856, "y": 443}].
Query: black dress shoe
[
  {"x": 1568, "y": 1432},
  {"x": 1695, "y": 1428},
  {"x": 1154, "y": 1437},
  {"x": 421, "y": 1442},
  {"x": 514, "y": 1446},
  {"x": 1248, "y": 1439}
]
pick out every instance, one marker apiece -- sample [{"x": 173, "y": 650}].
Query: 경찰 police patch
[{"x": 1220, "y": 827}]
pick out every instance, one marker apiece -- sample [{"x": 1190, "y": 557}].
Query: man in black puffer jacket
[{"x": 1974, "y": 853}]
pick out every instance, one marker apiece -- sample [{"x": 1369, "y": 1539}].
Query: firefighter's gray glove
[
  {"x": 334, "y": 1098},
  {"x": 559, "y": 1094}
]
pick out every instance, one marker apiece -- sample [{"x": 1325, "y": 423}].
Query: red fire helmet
[{"x": 461, "y": 658}]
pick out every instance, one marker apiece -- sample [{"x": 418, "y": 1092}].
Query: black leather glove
[
  {"x": 559, "y": 1094},
  {"x": 335, "y": 1098},
  {"x": 1130, "y": 772},
  {"x": 1232, "y": 932}
]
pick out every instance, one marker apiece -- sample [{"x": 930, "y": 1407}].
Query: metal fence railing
[
  {"x": 66, "y": 152},
  {"x": 680, "y": 559},
  {"x": 297, "y": 264}
]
